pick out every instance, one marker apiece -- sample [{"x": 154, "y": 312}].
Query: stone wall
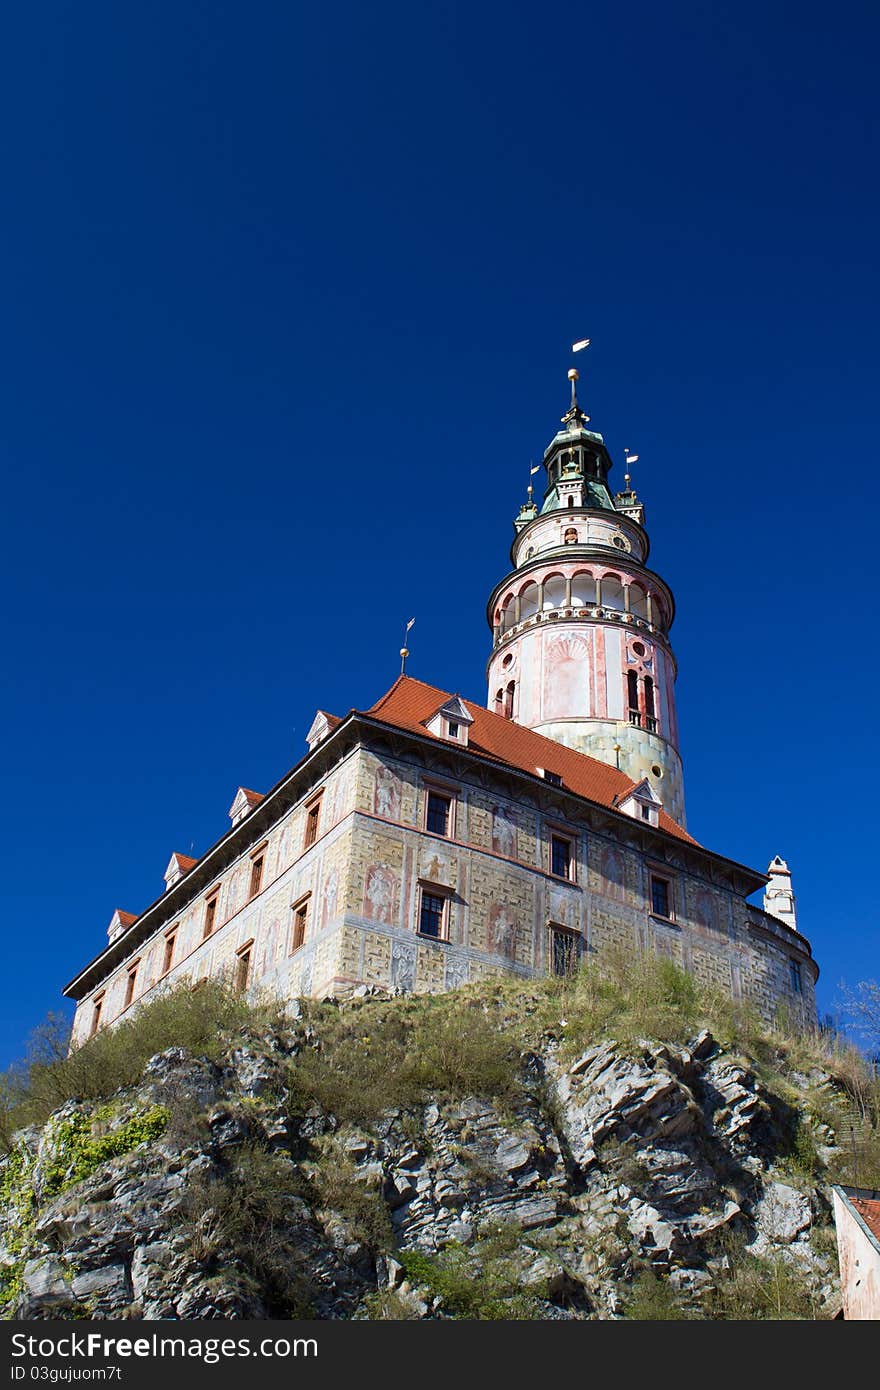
[{"x": 363, "y": 876}]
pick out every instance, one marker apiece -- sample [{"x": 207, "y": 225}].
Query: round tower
[{"x": 580, "y": 625}]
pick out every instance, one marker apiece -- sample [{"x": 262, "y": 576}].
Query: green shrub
[
  {"x": 482, "y": 1282},
  {"x": 244, "y": 1216},
  {"x": 336, "y": 1187},
  {"x": 650, "y": 1299},
  {"x": 393, "y": 1054},
  {"x": 79, "y": 1150},
  {"x": 760, "y": 1288}
]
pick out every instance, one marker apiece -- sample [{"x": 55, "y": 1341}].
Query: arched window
[
  {"x": 508, "y": 699},
  {"x": 638, "y": 603},
  {"x": 499, "y": 702},
  {"x": 583, "y": 591},
  {"x": 612, "y": 593},
  {"x": 528, "y": 602},
  {"x": 650, "y": 709},
  {"x": 554, "y": 591},
  {"x": 571, "y": 502},
  {"x": 632, "y": 690}
]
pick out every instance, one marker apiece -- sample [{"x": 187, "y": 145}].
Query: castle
[{"x": 428, "y": 841}]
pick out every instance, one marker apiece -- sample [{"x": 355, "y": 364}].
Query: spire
[{"x": 574, "y": 417}]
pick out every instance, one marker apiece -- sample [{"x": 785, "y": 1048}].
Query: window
[
  {"x": 243, "y": 967},
  {"x": 508, "y": 700},
  {"x": 432, "y": 914},
  {"x": 554, "y": 778},
  {"x": 300, "y": 922},
  {"x": 313, "y": 816},
  {"x": 650, "y": 708},
  {"x": 564, "y": 951},
  {"x": 438, "y": 813},
  {"x": 646, "y": 813},
  {"x": 561, "y": 856},
  {"x": 632, "y": 695},
  {"x": 168, "y": 957},
  {"x": 96, "y": 1015},
  {"x": 210, "y": 915},
  {"x": 661, "y": 897},
  {"x": 131, "y": 984},
  {"x": 256, "y": 875},
  {"x": 452, "y": 728},
  {"x": 794, "y": 977}
]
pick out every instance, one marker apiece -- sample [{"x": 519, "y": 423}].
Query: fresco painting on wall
[
  {"x": 331, "y": 890},
  {"x": 380, "y": 893},
  {"x": 503, "y": 833},
  {"x": 386, "y": 794},
  {"x": 502, "y": 931},
  {"x": 566, "y": 677},
  {"x": 613, "y": 874}
]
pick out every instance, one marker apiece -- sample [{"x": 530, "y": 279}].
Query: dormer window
[
  {"x": 643, "y": 803},
  {"x": 452, "y": 720},
  {"x": 554, "y": 778},
  {"x": 244, "y": 803}
]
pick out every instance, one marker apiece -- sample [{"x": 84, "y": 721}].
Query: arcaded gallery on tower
[{"x": 428, "y": 840}]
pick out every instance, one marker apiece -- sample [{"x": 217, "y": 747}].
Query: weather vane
[
  {"x": 574, "y": 376},
  {"x": 404, "y": 651},
  {"x": 630, "y": 458},
  {"x": 533, "y": 469}
]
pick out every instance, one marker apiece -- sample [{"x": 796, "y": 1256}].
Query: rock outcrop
[{"x": 211, "y": 1190}]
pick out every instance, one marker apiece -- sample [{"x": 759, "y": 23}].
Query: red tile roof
[
  {"x": 125, "y": 918},
  {"x": 869, "y": 1210},
  {"x": 409, "y": 704},
  {"x": 252, "y": 798}
]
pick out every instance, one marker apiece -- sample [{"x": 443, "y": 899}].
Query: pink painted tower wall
[{"x": 581, "y": 649}]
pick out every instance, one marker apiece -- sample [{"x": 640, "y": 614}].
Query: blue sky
[{"x": 287, "y": 293}]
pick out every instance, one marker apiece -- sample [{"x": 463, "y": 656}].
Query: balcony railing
[
  {"x": 555, "y": 614},
  {"x": 643, "y": 721}
]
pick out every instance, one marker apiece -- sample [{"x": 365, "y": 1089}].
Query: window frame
[
  {"x": 447, "y": 793},
  {"x": 795, "y": 976},
  {"x": 559, "y": 931},
  {"x": 243, "y": 956},
  {"x": 656, "y": 876},
  {"x": 312, "y": 828},
  {"x": 209, "y": 923},
  {"x": 258, "y": 858},
  {"x": 97, "y": 1011},
  {"x": 556, "y": 832},
  {"x": 442, "y": 895},
  {"x": 300, "y": 907},
  {"x": 169, "y": 943},
  {"x": 131, "y": 972}
]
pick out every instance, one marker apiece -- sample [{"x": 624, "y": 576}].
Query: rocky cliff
[{"x": 512, "y": 1173}]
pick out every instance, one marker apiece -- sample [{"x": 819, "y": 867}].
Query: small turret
[{"x": 778, "y": 896}]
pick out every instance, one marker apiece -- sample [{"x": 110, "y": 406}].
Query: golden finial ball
[{"x": 574, "y": 374}]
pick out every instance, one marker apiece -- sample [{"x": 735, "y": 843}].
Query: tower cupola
[{"x": 581, "y": 650}]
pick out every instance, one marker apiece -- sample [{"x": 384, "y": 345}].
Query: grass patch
[
  {"x": 650, "y": 1299},
  {"x": 200, "y": 1020},
  {"x": 756, "y": 1288},
  {"x": 393, "y": 1054},
  {"x": 482, "y": 1282},
  {"x": 244, "y": 1217}
]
